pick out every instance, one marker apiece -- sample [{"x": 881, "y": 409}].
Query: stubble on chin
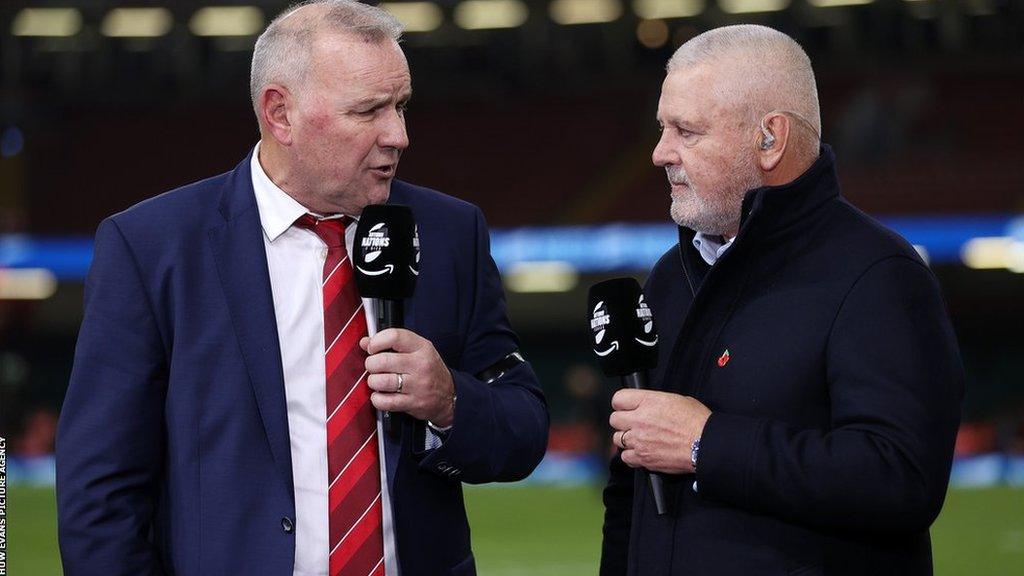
[
  {"x": 701, "y": 215},
  {"x": 718, "y": 215}
]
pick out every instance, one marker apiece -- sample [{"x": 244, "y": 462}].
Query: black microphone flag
[
  {"x": 623, "y": 336},
  {"x": 386, "y": 252},
  {"x": 622, "y": 329}
]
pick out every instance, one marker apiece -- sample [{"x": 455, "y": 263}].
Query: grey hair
[
  {"x": 282, "y": 51},
  {"x": 767, "y": 71}
]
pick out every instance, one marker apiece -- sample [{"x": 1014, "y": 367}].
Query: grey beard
[
  {"x": 702, "y": 219},
  {"x": 719, "y": 215}
]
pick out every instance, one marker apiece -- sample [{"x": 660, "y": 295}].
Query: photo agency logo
[{"x": 3, "y": 506}]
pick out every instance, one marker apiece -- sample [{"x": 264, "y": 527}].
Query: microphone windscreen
[
  {"x": 622, "y": 332},
  {"x": 386, "y": 252}
]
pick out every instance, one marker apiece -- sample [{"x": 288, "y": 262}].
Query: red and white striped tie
[{"x": 353, "y": 462}]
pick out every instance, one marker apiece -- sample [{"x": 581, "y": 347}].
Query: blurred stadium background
[{"x": 542, "y": 113}]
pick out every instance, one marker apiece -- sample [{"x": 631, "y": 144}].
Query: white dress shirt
[{"x": 295, "y": 259}]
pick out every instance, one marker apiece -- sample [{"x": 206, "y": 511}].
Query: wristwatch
[{"x": 694, "y": 453}]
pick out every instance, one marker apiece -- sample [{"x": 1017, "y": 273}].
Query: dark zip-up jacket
[{"x": 821, "y": 343}]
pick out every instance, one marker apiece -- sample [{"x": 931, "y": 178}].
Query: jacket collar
[
  {"x": 238, "y": 196},
  {"x": 775, "y": 208}
]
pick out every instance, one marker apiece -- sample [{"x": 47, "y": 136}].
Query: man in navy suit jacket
[{"x": 185, "y": 444}]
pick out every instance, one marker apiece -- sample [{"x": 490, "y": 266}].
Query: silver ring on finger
[{"x": 400, "y": 384}]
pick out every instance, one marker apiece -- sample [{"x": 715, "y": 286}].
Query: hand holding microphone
[
  {"x": 425, "y": 389},
  {"x": 405, "y": 371},
  {"x": 656, "y": 430},
  {"x": 626, "y": 344}
]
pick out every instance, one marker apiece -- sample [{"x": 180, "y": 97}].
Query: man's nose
[
  {"x": 394, "y": 134},
  {"x": 663, "y": 154}
]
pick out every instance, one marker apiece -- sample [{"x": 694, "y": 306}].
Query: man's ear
[
  {"x": 772, "y": 140},
  {"x": 275, "y": 107}
]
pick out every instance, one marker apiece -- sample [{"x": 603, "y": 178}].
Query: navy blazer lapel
[{"x": 242, "y": 264}]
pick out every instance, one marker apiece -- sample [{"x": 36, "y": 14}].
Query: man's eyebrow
[
  {"x": 692, "y": 126},
  {"x": 678, "y": 121},
  {"x": 373, "y": 101}
]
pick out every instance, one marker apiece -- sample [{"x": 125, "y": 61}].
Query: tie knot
[{"x": 331, "y": 231}]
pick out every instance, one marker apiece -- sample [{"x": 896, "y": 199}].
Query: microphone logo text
[
  {"x": 599, "y": 319},
  {"x": 374, "y": 242}
]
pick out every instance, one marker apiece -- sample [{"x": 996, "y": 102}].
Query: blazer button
[{"x": 287, "y": 525}]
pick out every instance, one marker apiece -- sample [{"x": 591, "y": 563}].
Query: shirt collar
[
  {"x": 710, "y": 247},
  {"x": 278, "y": 211}
]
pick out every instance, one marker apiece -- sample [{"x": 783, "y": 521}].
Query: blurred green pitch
[{"x": 542, "y": 531}]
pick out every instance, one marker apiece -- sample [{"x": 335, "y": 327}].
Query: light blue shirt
[{"x": 710, "y": 247}]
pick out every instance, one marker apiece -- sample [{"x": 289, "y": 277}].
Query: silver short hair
[
  {"x": 766, "y": 70},
  {"x": 282, "y": 51}
]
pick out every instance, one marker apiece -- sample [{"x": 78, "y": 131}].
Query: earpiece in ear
[{"x": 768, "y": 141}]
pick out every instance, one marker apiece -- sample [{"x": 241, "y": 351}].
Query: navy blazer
[{"x": 173, "y": 448}]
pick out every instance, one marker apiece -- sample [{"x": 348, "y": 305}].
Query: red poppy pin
[{"x": 724, "y": 358}]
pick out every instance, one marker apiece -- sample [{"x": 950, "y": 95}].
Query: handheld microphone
[
  {"x": 626, "y": 343},
  {"x": 386, "y": 259}
]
